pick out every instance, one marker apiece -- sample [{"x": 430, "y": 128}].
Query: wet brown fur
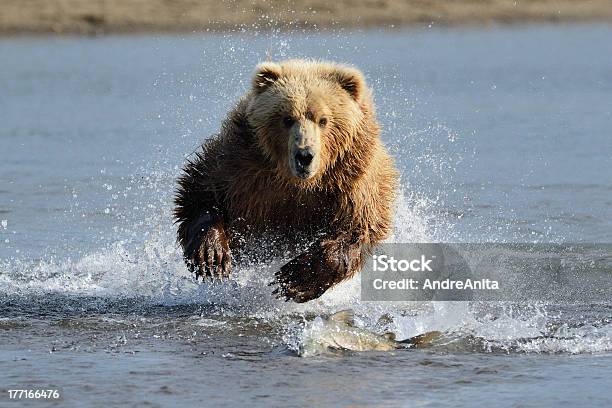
[{"x": 239, "y": 188}]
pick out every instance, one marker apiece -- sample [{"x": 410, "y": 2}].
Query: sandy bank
[{"x": 119, "y": 16}]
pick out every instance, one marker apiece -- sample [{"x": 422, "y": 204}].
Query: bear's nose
[{"x": 304, "y": 157}]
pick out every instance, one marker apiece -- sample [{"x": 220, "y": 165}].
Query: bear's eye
[
  {"x": 288, "y": 121},
  {"x": 322, "y": 122}
]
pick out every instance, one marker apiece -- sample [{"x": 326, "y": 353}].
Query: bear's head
[{"x": 306, "y": 115}]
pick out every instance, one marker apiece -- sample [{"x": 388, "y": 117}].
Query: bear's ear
[
  {"x": 351, "y": 80},
  {"x": 266, "y": 74}
]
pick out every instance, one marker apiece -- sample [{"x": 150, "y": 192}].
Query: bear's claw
[{"x": 211, "y": 257}]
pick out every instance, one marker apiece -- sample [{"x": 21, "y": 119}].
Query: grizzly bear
[{"x": 298, "y": 160}]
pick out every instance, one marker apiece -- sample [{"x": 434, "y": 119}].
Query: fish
[{"x": 339, "y": 333}]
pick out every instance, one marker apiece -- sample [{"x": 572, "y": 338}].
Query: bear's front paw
[
  {"x": 210, "y": 255},
  {"x": 302, "y": 279},
  {"x": 323, "y": 265}
]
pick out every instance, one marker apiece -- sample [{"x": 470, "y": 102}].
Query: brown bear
[{"x": 299, "y": 159}]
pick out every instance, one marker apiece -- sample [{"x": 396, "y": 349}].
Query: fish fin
[
  {"x": 422, "y": 340},
  {"x": 344, "y": 316},
  {"x": 389, "y": 336}
]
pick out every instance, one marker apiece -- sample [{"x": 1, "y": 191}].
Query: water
[{"x": 501, "y": 135}]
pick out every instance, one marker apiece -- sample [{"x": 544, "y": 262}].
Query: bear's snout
[{"x": 304, "y": 147}]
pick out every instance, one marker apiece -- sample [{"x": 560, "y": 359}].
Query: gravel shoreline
[{"x": 126, "y": 16}]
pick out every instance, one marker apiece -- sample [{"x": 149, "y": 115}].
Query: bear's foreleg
[{"x": 201, "y": 230}]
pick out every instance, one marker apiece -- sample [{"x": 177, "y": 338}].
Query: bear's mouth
[{"x": 302, "y": 163}]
